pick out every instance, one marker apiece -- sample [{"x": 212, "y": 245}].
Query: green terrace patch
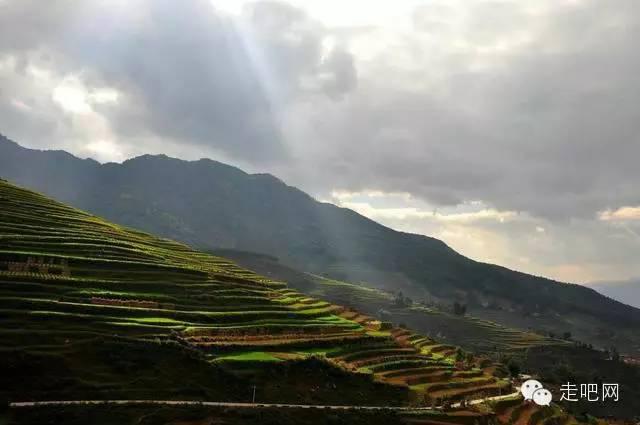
[{"x": 253, "y": 356}]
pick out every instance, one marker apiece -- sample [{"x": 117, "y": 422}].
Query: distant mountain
[
  {"x": 212, "y": 205},
  {"x": 626, "y": 291}
]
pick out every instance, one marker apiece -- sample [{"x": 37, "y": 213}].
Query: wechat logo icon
[{"x": 533, "y": 390}]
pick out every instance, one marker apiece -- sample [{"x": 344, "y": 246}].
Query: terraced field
[
  {"x": 469, "y": 332},
  {"x": 431, "y": 370},
  {"x": 58, "y": 264},
  {"x": 517, "y": 412},
  {"x": 511, "y": 410},
  {"x": 68, "y": 279}
]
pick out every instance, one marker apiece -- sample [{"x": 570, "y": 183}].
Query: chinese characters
[{"x": 589, "y": 392}]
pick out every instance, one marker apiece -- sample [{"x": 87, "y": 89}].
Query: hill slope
[
  {"x": 212, "y": 205},
  {"x": 94, "y": 310},
  {"x": 476, "y": 335}
]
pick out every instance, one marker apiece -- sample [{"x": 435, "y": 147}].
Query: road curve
[{"x": 26, "y": 404}]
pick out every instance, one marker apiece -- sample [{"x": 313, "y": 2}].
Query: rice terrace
[{"x": 86, "y": 303}]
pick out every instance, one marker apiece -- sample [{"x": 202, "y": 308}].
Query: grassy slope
[{"x": 102, "y": 311}]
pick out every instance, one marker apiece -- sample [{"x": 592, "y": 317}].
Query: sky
[{"x": 509, "y": 129}]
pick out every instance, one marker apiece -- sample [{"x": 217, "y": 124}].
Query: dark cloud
[
  {"x": 187, "y": 73},
  {"x": 548, "y": 126}
]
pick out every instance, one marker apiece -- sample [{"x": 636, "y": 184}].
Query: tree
[
  {"x": 400, "y": 300},
  {"x": 514, "y": 368},
  {"x": 459, "y": 309},
  {"x": 615, "y": 355},
  {"x": 566, "y": 335}
]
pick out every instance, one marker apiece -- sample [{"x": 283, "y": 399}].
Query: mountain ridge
[
  {"x": 625, "y": 291},
  {"x": 209, "y": 204}
]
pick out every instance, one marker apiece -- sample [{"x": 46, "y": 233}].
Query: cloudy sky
[{"x": 509, "y": 129}]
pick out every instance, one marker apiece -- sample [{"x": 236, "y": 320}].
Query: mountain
[
  {"x": 212, "y": 205},
  {"x": 92, "y": 310},
  {"x": 626, "y": 291}
]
